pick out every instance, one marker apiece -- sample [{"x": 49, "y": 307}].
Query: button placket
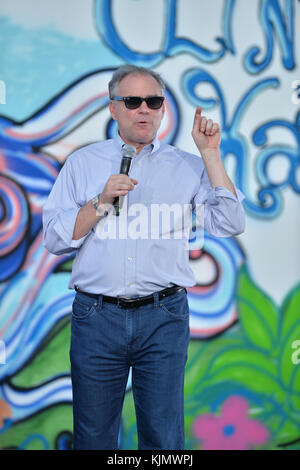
[{"x": 130, "y": 253}]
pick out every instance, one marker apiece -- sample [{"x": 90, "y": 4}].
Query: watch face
[{"x": 95, "y": 202}]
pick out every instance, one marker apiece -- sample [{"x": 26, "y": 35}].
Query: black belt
[{"x": 132, "y": 303}]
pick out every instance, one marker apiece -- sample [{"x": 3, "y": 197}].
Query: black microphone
[{"x": 128, "y": 152}]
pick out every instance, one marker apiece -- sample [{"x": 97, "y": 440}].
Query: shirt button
[{"x": 129, "y": 258}]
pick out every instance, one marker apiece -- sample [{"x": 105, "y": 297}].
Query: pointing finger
[{"x": 196, "y": 118}]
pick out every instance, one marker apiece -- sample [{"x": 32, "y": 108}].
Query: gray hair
[{"x": 125, "y": 70}]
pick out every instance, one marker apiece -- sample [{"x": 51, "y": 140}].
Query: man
[{"x": 131, "y": 308}]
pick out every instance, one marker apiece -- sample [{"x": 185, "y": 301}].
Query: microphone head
[{"x": 128, "y": 151}]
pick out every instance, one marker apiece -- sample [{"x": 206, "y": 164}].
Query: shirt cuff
[
  {"x": 220, "y": 191},
  {"x": 64, "y": 227}
]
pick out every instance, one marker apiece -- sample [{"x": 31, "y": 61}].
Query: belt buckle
[{"x": 123, "y": 300}]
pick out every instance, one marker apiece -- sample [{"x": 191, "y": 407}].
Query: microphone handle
[{"x": 124, "y": 170}]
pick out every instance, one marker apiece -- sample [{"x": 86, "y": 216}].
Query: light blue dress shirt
[{"x": 114, "y": 262}]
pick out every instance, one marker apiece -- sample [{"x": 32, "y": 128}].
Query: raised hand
[{"x": 206, "y": 133}]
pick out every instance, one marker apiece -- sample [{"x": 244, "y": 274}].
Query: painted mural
[{"x": 239, "y": 60}]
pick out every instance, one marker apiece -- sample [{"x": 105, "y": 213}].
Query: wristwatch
[
  {"x": 95, "y": 201},
  {"x": 95, "y": 204}
]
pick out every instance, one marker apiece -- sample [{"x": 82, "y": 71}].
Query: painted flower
[{"x": 232, "y": 429}]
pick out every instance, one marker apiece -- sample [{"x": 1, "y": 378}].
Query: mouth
[{"x": 143, "y": 123}]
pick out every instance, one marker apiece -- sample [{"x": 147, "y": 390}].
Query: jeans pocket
[
  {"x": 83, "y": 306},
  {"x": 176, "y": 306}
]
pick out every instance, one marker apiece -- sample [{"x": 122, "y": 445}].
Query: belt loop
[
  {"x": 156, "y": 299},
  {"x": 100, "y": 301}
]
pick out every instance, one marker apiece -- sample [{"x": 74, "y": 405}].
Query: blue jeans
[{"x": 106, "y": 340}]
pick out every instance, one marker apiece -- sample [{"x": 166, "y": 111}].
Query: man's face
[{"x": 137, "y": 127}]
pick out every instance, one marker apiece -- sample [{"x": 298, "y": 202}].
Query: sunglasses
[{"x": 134, "y": 102}]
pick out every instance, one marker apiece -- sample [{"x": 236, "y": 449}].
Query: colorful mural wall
[{"x": 239, "y": 60}]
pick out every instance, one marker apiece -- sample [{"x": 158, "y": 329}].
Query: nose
[{"x": 144, "y": 108}]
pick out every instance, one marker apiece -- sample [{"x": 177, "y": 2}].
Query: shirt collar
[{"x": 119, "y": 142}]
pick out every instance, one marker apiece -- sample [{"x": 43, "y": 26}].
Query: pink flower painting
[{"x": 232, "y": 429}]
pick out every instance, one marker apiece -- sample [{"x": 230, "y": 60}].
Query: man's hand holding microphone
[
  {"x": 116, "y": 186},
  {"x": 119, "y": 185}
]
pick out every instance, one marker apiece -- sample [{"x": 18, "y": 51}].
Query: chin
[
  {"x": 144, "y": 139},
  {"x": 139, "y": 139}
]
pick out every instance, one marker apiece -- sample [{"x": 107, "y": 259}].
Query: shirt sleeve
[
  {"x": 60, "y": 213},
  {"x": 218, "y": 209}
]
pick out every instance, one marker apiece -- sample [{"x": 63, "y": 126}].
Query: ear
[{"x": 112, "y": 109}]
